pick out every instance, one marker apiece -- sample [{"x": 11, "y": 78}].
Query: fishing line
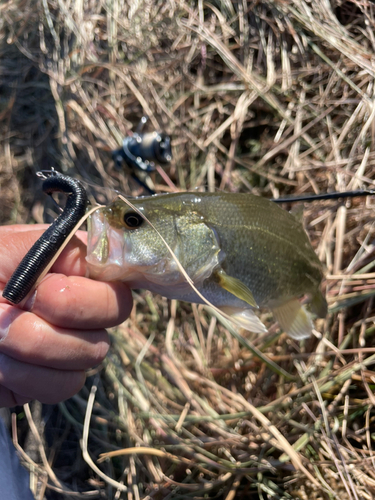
[{"x": 263, "y": 357}]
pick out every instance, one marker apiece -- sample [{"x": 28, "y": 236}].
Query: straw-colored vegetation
[{"x": 273, "y": 97}]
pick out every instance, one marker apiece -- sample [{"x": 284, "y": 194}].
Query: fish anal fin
[
  {"x": 235, "y": 287},
  {"x": 294, "y": 319},
  {"x": 245, "y": 318},
  {"x": 318, "y": 305}
]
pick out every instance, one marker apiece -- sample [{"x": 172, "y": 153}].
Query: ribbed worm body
[{"x": 44, "y": 249}]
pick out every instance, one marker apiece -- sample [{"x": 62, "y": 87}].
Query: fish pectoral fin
[
  {"x": 294, "y": 319},
  {"x": 244, "y": 318},
  {"x": 235, "y": 287}
]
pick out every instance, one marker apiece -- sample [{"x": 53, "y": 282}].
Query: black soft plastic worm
[{"x": 45, "y": 248}]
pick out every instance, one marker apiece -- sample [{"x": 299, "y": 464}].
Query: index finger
[
  {"x": 64, "y": 297},
  {"x": 16, "y": 241}
]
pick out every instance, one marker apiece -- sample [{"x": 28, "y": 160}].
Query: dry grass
[{"x": 273, "y": 97}]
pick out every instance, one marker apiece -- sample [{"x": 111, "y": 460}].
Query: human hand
[{"x": 47, "y": 342}]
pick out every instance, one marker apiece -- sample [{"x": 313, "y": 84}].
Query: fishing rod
[
  {"x": 141, "y": 150},
  {"x": 335, "y": 195}
]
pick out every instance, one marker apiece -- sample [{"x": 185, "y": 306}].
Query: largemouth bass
[{"x": 241, "y": 251}]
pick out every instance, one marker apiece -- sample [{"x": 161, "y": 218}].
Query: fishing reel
[{"x": 141, "y": 151}]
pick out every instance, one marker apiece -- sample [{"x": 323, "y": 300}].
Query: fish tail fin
[
  {"x": 244, "y": 318},
  {"x": 294, "y": 319}
]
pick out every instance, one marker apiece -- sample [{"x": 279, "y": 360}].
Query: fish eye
[{"x": 133, "y": 220}]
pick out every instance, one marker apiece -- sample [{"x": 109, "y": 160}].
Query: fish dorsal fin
[
  {"x": 294, "y": 319},
  {"x": 245, "y": 318},
  {"x": 235, "y": 287},
  {"x": 297, "y": 212}
]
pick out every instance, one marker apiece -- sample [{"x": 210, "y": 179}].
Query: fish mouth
[
  {"x": 105, "y": 249},
  {"x": 109, "y": 256}
]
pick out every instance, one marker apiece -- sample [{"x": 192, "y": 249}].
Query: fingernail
[{"x": 8, "y": 314}]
